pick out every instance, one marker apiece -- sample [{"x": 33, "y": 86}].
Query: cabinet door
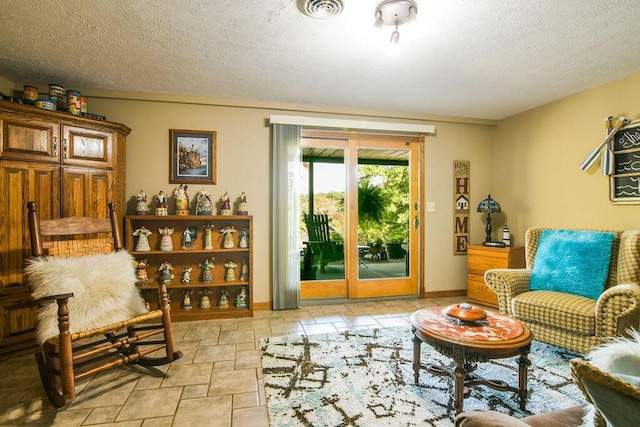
[
  {"x": 27, "y": 137},
  {"x": 21, "y": 182},
  {"x": 86, "y": 192},
  {"x": 87, "y": 147}
]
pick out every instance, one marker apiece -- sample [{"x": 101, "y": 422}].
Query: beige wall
[
  {"x": 537, "y": 176},
  {"x": 244, "y": 165}
]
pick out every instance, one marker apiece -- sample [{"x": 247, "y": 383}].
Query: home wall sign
[
  {"x": 461, "y": 200},
  {"x": 624, "y": 183}
]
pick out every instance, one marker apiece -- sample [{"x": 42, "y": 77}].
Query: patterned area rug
[{"x": 365, "y": 378}]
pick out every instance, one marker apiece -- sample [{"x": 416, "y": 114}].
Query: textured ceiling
[{"x": 474, "y": 58}]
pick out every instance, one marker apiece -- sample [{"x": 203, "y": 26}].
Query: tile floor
[{"x": 218, "y": 381}]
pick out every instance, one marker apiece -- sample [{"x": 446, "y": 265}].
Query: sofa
[{"x": 579, "y": 287}]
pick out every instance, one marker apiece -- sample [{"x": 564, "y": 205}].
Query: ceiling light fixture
[
  {"x": 321, "y": 9},
  {"x": 395, "y": 13}
]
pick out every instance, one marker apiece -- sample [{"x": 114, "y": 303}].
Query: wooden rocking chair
[{"x": 73, "y": 355}]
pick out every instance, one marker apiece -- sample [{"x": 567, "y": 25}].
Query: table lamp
[{"x": 489, "y": 206}]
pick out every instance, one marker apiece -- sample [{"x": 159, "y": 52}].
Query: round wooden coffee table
[{"x": 497, "y": 337}]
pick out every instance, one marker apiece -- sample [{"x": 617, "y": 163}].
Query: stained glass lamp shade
[{"x": 488, "y": 206}]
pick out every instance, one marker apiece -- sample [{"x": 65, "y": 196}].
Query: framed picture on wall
[
  {"x": 624, "y": 183},
  {"x": 192, "y": 157}
]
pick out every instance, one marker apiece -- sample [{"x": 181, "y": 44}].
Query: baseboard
[{"x": 444, "y": 294}]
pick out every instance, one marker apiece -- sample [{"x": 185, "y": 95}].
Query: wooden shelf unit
[
  {"x": 185, "y": 258},
  {"x": 482, "y": 258}
]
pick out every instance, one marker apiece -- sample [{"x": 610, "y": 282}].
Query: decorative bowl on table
[{"x": 465, "y": 312}]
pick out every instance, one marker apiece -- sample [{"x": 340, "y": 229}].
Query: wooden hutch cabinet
[
  {"x": 482, "y": 258},
  {"x": 68, "y": 165}
]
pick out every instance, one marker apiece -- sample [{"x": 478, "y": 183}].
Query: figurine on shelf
[
  {"x": 161, "y": 207},
  {"x": 223, "y": 302},
  {"x": 142, "y": 208},
  {"x": 230, "y": 274},
  {"x": 207, "y": 274},
  {"x": 205, "y": 302},
  {"x": 164, "y": 272},
  {"x": 187, "y": 238},
  {"x": 144, "y": 295},
  {"x": 242, "y": 204},
  {"x": 204, "y": 205},
  {"x": 227, "y": 233},
  {"x": 143, "y": 241},
  {"x": 166, "y": 242},
  {"x": 225, "y": 205},
  {"x": 208, "y": 240},
  {"x": 244, "y": 270},
  {"x": 182, "y": 200},
  {"x": 241, "y": 299},
  {"x": 141, "y": 270},
  {"x": 186, "y": 302},
  {"x": 186, "y": 275},
  {"x": 244, "y": 239}
]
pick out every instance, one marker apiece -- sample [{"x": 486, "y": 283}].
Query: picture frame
[{"x": 192, "y": 156}]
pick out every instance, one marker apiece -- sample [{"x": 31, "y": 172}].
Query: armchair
[{"x": 560, "y": 316}]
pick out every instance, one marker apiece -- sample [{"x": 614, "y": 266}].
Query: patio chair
[
  {"x": 320, "y": 241},
  {"x": 95, "y": 324}
]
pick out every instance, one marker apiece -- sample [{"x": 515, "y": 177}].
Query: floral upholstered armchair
[{"x": 579, "y": 287}]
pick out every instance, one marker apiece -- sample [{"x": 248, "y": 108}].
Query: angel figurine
[
  {"x": 204, "y": 205},
  {"x": 182, "y": 200},
  {"x": 161, "y": 207},
  {"x": 207, "y": 274},
  {"x": 244, "y": 270},
  {"x": 227, "y": 233},
  {"x": 186, "y": 301},
  {"x": 143, "y": 241},
  {"x": 241, "y": 299},
  {"x": 205, "y": 302},
  {"x": 242, "y": 204},
  {"x": 166, "y": 243},
  {"x": 225, "y": 205},
  {"x": 187, "y": 238},
  {"x": 141, "y": 270},
  {"x": 230, "y": 274},
  {"x": 142, "y": 208},
  {"x": 223, "y": 302},
  {"x": 244, "y": 239},
  {"x": 186, "y": 275},
  {"x": 208, "y": 240},
  {"x": 164, "y": 271}
]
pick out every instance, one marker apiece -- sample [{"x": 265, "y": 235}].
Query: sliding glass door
[{"x": 363, "y": 190}]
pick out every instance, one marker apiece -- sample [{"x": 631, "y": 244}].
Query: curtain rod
[{"x": 351, "y": 124}]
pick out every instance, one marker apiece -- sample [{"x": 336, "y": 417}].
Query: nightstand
[{"x": 482, "y": 258}]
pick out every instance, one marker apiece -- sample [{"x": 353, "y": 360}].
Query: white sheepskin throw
[{"x": 103, "y": 287}]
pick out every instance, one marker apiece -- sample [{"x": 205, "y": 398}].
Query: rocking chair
[{"x": 99, "y": 328}]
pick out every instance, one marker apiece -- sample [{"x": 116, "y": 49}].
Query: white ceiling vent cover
[{"x": 321, "y": 9}]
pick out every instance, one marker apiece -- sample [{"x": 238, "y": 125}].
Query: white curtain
[{"x": 285, "y": 216}]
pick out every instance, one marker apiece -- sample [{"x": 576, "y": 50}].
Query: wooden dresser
[{"x": 482, "y": 258}]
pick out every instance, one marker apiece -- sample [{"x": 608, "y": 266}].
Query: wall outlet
[{"x": 431, "y": 206}]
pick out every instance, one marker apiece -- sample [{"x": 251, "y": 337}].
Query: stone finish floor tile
[{"x": 218, "y": 381}]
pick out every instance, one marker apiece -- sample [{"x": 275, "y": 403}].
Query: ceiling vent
[{"x": 321, "y": 9}]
